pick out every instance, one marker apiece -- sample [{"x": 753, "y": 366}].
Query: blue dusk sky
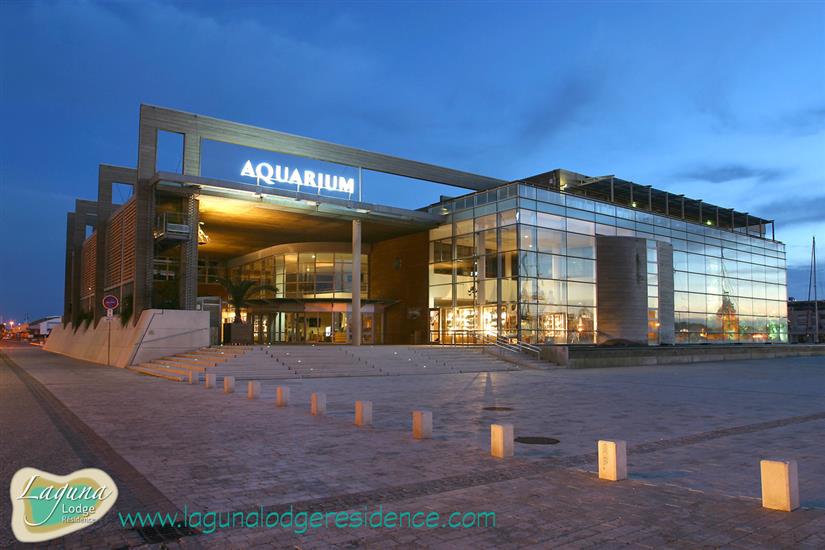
[{"x": 719, "y": 101}]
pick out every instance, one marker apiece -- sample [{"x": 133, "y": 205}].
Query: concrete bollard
[
  {"x": 612, "y": 460},
  {"x": 253, "y": 390},
  {"x": 193, "y": 377},
  {"x": 422, "y": 422},
  {"x": 780, "y": 485},
  {"x": 501, "y": 440},
  {"x": 209, "y": 381},
  {"x": 318, "y": 404},
  {"x": 363, "y": 413},
  {"x": 228, "y": 384},
  {"x": 282, "y": 396}
]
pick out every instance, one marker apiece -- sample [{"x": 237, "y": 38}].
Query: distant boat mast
[{"x": 812, "y": 286}]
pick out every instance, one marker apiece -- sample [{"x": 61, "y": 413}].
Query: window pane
[
  {"x": 527, "y": 237},
  {"x": 552, "y": 292},
  {"x": 552, "y": 266},
  {"x": 579, "y": 226},
  {"x": 550, "y": 221},
  {"x": 508, "y": 238},
  {"x": 581, "y": 294},
  {"x": 550, "y": 240},
  {"x": 581, "y": 245},
  {"x": 579, "y": 269}
]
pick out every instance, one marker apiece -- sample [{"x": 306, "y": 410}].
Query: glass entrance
[{"x": 310, "y": 327}]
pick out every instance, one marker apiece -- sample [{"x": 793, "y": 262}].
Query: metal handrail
[{"x": 509, "y": 344}]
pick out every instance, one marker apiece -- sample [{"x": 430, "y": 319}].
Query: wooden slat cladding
[
  {"x": 87, "y": 266},
  {"x": 120, "y": 249}
]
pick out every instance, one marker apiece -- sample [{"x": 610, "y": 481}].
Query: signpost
[{"x": 110, "y": 302}]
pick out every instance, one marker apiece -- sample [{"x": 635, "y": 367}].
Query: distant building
[
  {"x": 40, "y": 328},
  {"x": 802, "y": 321}
]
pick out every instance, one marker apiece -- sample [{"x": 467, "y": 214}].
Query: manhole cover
[
  {"x": 498, "y": 408},
  {"x": 532, "y": 440}
]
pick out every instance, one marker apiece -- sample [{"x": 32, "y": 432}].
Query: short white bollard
[
  {"x": 612, "y": 460},
  {"x": 422, "y": 422},
  {"x": 282, "y": 396},
  {"x": 363, "y": 413},
  {"x": 193, "y": 377},
  {"x": 501, "y": 440},
  {"x": 209, "y": 382},
  {"x": 253, "y": 390},
  {"x": 228, "y": 384},
  {"x": 780, "y": 485},
  {"x": 318, "y": 404}
]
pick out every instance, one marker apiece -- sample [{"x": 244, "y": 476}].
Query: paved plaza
[{"x": 695, "y": 435}]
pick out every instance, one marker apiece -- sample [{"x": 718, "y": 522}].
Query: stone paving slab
[{"x": 216, "y": 452}]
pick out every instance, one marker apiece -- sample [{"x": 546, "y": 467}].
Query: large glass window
[{"x": 522, "y": 262}]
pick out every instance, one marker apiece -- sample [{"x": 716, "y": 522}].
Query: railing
[
  {"x": 171, "y": 225},
  {"x": 512, "y": 344}
]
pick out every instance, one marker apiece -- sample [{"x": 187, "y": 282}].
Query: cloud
[
  {"x": 795, "y": 209},
  {"x": 553, "y": 112},
  {"x": 723, "y": 173},
  {"x": 802, "y": 122}
]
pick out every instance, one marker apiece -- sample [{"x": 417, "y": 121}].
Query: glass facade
[
  {"x": 303, "y": 275},
  {"x": 308, "y": 278},
  {"x": 519, "y": 261}
]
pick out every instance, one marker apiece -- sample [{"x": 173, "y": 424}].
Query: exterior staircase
[
  {"x": 330, "y": 361},
  {"x": 177, "y": 367}
]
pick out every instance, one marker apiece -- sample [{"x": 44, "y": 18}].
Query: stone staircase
[
  {"x": 329, "y": 361},
  {"x": 282, "y": 362},
  {"x": 177, "y": 367}
]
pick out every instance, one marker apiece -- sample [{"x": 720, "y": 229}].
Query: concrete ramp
[{"x": 158, "y": 333}]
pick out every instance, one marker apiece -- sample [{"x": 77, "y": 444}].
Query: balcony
[{"x": 171, "y": 228}]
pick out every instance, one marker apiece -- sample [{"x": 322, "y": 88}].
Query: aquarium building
[{"x": 555, "y": 258}]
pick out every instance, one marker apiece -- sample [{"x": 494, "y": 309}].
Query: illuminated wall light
[{"x": 633, "y": 204}]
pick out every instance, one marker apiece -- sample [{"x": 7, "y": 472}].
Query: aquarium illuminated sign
[
  {"x": 265, "y": 173},
  {"x": 259, "y": 168}
]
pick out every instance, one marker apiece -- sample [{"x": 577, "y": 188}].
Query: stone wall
[{"x": 157, "y": 333}]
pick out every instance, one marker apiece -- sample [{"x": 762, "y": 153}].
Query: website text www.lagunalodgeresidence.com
[{"x": 302, "y": 521}]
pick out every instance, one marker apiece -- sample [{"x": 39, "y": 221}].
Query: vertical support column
[
  {"x": 355, "y": 320},
  {"x": 68, "y": 288},
  {"x": 480, "y": 294},
  {"x": 612, "y": 189},
  {"x": 145, "y": 215},
  {"x": 104, "y": 210},
  {"x": 188, "y": 290}
]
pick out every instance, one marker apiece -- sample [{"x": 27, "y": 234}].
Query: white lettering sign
[{"x": 266, "y": 173}]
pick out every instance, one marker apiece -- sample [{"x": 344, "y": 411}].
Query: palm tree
[{"x": 239, "y": 292}]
